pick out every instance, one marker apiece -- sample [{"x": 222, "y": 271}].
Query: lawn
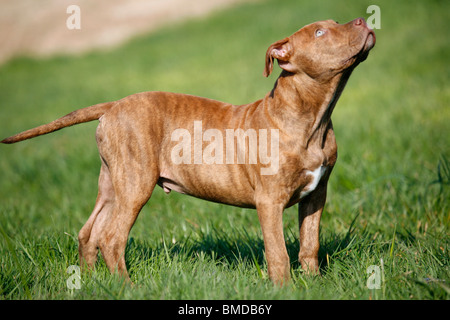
[{"x": 388, "y": 207}]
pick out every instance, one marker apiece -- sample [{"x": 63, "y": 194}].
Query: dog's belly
[
  {"x": 169, "y": 185},
  {"x": 225, "y": 184}
]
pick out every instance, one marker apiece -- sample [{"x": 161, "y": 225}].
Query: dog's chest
[
  {"x": 309, "y": 180},
  {"x": 314, "y": 178}
]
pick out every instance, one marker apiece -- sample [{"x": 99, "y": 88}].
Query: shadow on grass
[{"x": 233, "y": 249}]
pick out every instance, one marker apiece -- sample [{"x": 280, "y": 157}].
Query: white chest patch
[{"x": 316, "y": 176}]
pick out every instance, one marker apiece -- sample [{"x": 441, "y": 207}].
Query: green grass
[{"x": 388, "y": 195}]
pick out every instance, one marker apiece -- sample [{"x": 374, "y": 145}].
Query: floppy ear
[{"x": 280, "y": 50}]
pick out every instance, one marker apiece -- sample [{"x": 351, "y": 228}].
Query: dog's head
[{"x": 322, "y": 49}]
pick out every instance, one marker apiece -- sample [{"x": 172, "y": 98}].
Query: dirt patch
[{"x": 39, "y": 28}]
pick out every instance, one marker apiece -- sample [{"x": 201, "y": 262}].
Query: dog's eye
[{"x": 319, "y": 33}]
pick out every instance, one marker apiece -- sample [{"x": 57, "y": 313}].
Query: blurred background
[{"x": 37, "y": 28}]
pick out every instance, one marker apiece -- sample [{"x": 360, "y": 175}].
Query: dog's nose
[{"x": 359, "y": 22}]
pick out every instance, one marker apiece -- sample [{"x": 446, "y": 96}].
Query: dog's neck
[{"x": 304, "y": 105}]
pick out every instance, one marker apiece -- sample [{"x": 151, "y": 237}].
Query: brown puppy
[{"x": 268, "y": 155}]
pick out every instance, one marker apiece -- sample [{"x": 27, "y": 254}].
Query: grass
[{"x": 388, "y": 195}]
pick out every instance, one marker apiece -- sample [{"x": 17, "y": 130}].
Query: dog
[{"x": 162, "y": 138}]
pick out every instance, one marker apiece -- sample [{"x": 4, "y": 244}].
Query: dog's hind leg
[
  {"x": 88, "y": 235},
  {"x": 132, "y": 191},
  {"x": 130, "y": 173}
]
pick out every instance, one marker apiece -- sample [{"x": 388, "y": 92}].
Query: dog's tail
[{"x": 78, "y": 116}]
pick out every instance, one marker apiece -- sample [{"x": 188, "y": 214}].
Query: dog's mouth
[
  {"x": 368, "y": 45},
  {"x": 370, "y": 41},
  {"x": 362, "y": 54}
]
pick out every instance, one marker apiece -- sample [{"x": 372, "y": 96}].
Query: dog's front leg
[
  {"x": 270, "y": 218},
  {"x": 309, "y": 213}
]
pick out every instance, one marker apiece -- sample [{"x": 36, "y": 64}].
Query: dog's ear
[{"x": 280, "y": 50}]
